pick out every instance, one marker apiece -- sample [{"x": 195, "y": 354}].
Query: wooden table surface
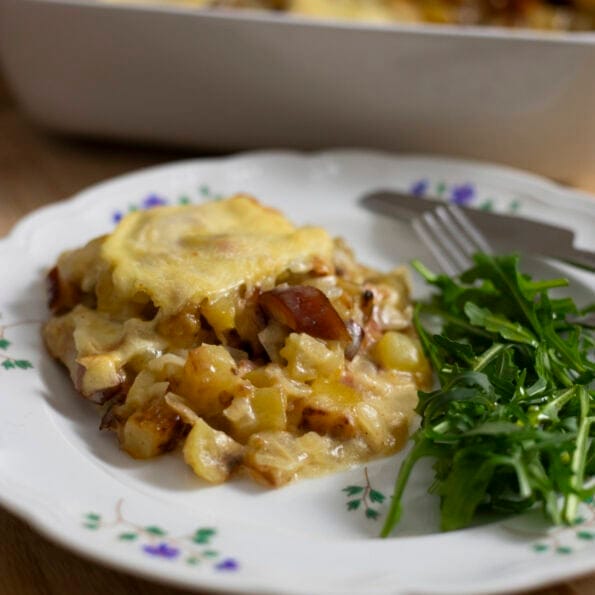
[{"x": 36, "y": 169}]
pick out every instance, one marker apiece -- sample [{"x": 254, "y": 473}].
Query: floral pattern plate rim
[{"x": 155, "y": 518}]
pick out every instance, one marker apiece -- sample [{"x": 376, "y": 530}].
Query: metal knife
[{"x": 505, "y": 232}]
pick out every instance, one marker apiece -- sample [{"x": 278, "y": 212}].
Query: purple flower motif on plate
[
  {"x": 229, "y": 564},
  {"x": 462, "y": 195},
  {"x": 162, "y": 550},
  {"x": 420, "y": 187},
  {"x": 150, "y": 201},
  {"x": 153, "y": 200}
]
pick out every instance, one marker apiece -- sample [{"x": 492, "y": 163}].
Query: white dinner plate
[{"x": 155, "y": 518}]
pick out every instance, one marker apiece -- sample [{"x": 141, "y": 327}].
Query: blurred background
[
  {"x": 38, "y": 167},
  {"x": 167, "y": 74}
]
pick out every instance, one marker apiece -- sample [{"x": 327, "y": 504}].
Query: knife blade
[{"x": 504, "y": 232}]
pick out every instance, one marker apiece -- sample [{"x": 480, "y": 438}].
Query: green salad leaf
[{"x": 513, "y": 421}]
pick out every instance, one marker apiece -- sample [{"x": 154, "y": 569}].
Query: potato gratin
[
  {"x": 251, "y": 343},
  {"x": 553, "y": 15}
]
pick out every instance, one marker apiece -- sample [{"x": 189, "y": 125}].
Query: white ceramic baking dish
[{"x": 244, "y": 80}]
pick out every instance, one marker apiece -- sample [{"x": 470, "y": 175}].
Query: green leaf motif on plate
[
  {"x": 353, "y": 504},
  {"x": 8, "y": 361},
  {"x": 540, "y": 547},
  {"x": 586, "y": 535},
  {"x": 562, "y": 540},
  {"x": 203, "y": 536},
  {"x": 154, "y": 541},
  {"x": 364, "y": 497},
  {"x": 353, "y": 490},
  {"x": 128, "y": 536},
  {"x": 16, "y": 364},
  {"x": 376, "y": 496}
]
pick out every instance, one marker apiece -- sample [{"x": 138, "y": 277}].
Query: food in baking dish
[
  {"x": 538, "y": 14},
  {"x": 253, "y": 344}
]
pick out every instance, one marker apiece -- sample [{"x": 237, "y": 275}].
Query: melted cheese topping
[{"x": 188, "y": 254}]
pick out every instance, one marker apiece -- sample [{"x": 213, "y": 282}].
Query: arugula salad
[{"x": 511, "y": 425}]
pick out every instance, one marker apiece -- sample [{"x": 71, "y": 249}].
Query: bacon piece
[{"x": 305, "y": 309}]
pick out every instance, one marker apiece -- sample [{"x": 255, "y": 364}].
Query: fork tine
[
  {"x": 465, "y": 223},
  {"x": 432, "y": 232},
  {"x": 449, "y": 240},
  {"x": 457, "y": 232},
  {"x": 451, "y": 237}
]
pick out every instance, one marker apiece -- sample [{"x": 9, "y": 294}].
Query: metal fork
[{"x": 451, "y": 237}]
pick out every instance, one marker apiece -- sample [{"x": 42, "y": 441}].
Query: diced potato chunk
[
  {"x": 212, "y": 454},
  {"x": 309, "y": 358},
  {"x": 329, "y": 409},
  {"x": 151, "y": 431},
  {"x": 274, "y": 375},
  {"x": 144, "y": 389},
  {"x": 180, "y": 327},
  {"x": 269, "y": 406},
  {"x": 221, "y": 314},
  {"x": 398, "y": 351},
  {"x": 334, "y": 392},
  {"x": 208, "y": 380},
  {"x": 264, "y": 410}
]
